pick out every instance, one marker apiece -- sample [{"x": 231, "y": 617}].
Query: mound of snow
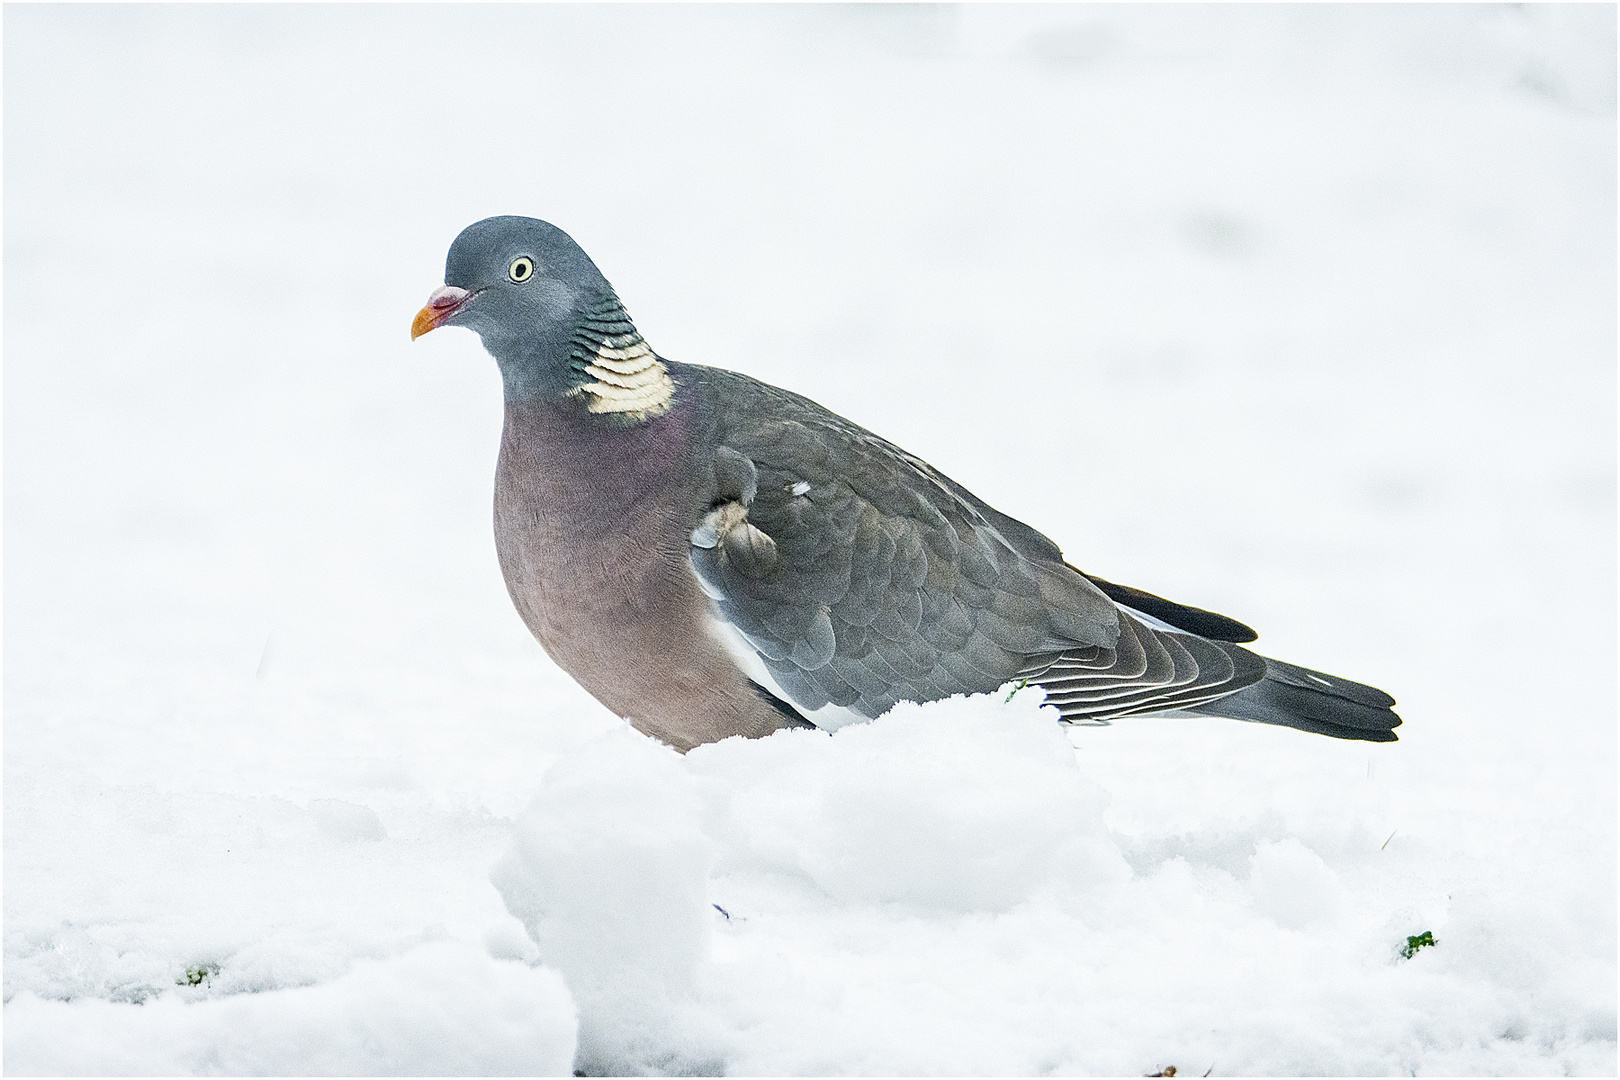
[
  {"x": 939, "y": 891},
  {"x": 961, "y": 806}
]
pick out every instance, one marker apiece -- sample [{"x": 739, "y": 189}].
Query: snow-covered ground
[{"x": 1302, "y": 314}]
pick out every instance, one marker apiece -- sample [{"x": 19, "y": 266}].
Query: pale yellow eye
[{"x": 521, "y": 270}]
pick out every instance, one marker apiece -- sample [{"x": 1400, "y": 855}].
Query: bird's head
[
  {"x": 547, "y": 316},
  {"x": 511, "y": 280}
]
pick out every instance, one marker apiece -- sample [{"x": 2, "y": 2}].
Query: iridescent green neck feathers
[{"x": 617, "y": 370}]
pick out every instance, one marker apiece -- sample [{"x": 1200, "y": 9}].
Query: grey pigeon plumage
[{"x": 711, "y": 556}]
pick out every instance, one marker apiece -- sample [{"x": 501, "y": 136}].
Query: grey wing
[{"x": 861, "y": 578}]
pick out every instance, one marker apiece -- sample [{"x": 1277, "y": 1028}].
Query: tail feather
[{"x": 1306, "y": 700}]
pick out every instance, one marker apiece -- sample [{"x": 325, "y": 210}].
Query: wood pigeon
[{"x": 711, "y": 556}]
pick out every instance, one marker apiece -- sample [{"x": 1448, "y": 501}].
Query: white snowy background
[{"x": 1302, "y": 314}]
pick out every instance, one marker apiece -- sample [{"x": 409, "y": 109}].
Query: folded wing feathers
[
  {"x": 863, "y": 577},
  {"x": 1162, "y": 671}
]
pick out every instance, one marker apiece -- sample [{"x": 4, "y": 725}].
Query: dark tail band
[{"x": 1308, "y": 700}]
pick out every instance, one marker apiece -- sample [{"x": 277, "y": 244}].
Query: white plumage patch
[{"x": 629, "y": 379}]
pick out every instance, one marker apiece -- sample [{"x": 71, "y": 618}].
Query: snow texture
[
  {"x": 440, "y": 1009},
  {"x": 1304, "y": 314}
]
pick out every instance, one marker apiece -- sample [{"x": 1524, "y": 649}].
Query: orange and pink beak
[{"x": 445, "y": 302}]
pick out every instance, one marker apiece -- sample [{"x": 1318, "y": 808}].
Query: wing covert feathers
[{"x": 861, "y": 576}]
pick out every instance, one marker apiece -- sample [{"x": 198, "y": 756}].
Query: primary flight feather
[{"x": 710, "y": 556}]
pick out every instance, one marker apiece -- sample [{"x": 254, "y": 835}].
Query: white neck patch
[{"x": 628, "y": 379}]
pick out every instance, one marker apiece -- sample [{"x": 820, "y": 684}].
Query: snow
[
  {"x": 439, "y": 1009},
  {"x": 940, "y": 893},
  {"x": 1301, "y": 314}
]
